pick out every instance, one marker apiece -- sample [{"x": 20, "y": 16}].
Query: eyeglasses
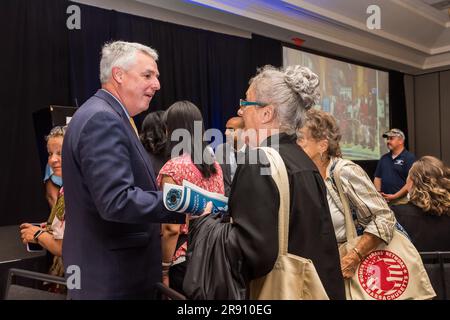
[{"x": 245, "y": 103}]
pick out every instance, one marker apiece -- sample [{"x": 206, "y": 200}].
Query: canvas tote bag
[
  {"x": 390, "y": 272},
  {"x": 292, "y": 277}
]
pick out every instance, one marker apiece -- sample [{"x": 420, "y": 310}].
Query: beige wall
[
  {"x": 444, "y": 80},
  {"x": 428, "y": 108}
]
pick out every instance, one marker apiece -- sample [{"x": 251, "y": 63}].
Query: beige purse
[
  {"x": 390, "y": 272},
  {"x": 292, "y": 277}
]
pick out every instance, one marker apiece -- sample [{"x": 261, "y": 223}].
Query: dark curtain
[
  {"x": 207, "y": 68},
  {"x": 182, "y": 64},
  {"x": 84, "y": 51},
  {"x": 266, "y": 51},
  {"x": 35, "y": 74},
  {"x": 229, "y": 71},
  {"x": 397, "y": 103}
]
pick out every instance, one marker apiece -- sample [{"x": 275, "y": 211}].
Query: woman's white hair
[
  {"x": 121, "y": 54},
  {"x": 292, "y": 91}
]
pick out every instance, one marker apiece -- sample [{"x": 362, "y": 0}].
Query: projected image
[{"x": 358, "y": 97}]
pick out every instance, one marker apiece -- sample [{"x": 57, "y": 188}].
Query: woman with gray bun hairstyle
[
  {"x": 290, "y": 92},
  {"x": 275, "y": 103}
]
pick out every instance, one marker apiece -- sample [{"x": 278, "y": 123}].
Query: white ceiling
[
  {"x": 442, "y": 5},
  {"x": 414, "y": 36}
]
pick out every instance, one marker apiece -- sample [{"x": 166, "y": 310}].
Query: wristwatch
[{"x": 37, "y": 234}]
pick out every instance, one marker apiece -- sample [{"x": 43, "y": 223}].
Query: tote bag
[
  {"x": 292, "y": 277},
  {"x": 390, "y": 272}
]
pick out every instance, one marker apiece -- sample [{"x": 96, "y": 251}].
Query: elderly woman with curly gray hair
[
  {"x": 274, "y": 108},
  {"x": 320, "y": 137}
]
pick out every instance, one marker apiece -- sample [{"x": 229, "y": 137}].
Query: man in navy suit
[{"x": 113, "y": 208}]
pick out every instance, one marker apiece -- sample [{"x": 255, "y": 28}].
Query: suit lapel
[
  {"x": 145, "y": 158},
  {"x": 102, "y": 94}
]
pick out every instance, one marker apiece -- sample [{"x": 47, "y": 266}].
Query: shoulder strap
[
  {"x": 280, "y": 176},
  {"x": 336, "y": 176}
]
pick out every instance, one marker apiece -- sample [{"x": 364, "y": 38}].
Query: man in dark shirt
[{"x": 393, "y": 167}]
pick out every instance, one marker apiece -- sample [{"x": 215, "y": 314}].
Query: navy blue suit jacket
[{"x": 113, "y": 210}]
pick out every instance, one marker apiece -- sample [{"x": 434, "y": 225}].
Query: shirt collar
[
  {"x": 400, "y": 154},
  {"x": 242, "y": 149},
  {"x": 120, "y": 103},
  {"x": 279, "y": 138},
  {"x": 330, "y": 165}
]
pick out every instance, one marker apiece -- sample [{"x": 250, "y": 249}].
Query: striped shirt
[{"x": 372, "y": 212}]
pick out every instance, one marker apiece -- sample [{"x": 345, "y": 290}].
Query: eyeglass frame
[{"x": 245, "y": 103}]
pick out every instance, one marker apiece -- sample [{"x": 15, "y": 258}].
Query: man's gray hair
[
  {"x": 121, "y": 54},
  {"x": 292, "y": 91}
]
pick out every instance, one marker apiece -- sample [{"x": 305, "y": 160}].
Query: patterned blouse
[
  {"x": 372, "y": 212},
  {"x": 182, "y": 168},
  {"x": 55, "y": 226}
]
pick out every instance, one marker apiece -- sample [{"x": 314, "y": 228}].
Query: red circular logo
[{"x": 383, "y": 275}]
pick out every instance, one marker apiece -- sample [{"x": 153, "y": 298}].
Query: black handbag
[{"x": 210, "y": 274}]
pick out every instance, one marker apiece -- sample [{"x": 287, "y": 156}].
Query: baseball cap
[{"x": 394, "y": 133}]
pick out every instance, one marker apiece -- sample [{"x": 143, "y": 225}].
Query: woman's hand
[
  {"x": 349, "y": 263},
  {"x": 27, "y": 232},
  {"x": 207, "y": 211},
  {"x": 389, "y": 197},
  {"x": 351, "y": 260},
  {"x": 165, "y": 275}
]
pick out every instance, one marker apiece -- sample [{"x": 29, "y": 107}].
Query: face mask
[{"x": 56, "y": 180}]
